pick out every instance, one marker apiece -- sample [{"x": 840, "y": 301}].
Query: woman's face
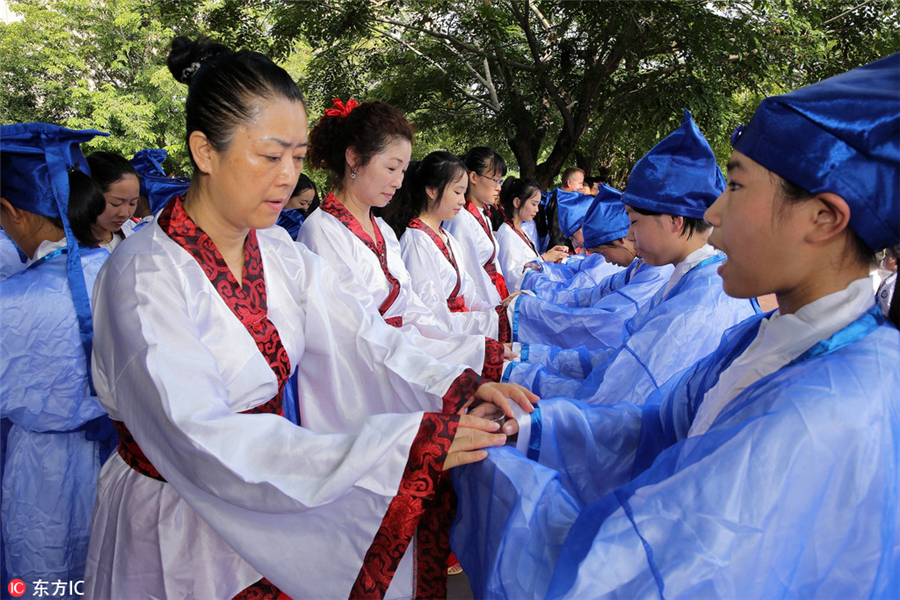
[
  {"x": 302, "y": 200},
  {"x": 753, "y": 227},
  {"x": 253, "y": 179},
  {"x": 485, "y": 188},
  {"x": 453, "y": 199},
  {"x": 528, "y": 209},
  {"x": 121, "y": 201},
  {"x": 376, "y": 182}
]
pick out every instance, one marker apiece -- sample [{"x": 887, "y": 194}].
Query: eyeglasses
[{"x": 496, "y": 181}]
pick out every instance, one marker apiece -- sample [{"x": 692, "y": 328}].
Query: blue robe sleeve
[{"x": 793, "y": 492}]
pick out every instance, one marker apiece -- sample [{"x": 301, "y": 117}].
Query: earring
[{"x": 352, "y": 175}]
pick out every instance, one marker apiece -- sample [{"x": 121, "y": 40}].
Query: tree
[
  {"x": 100, "y": 64},
  {"x": 553, "y": 79}
]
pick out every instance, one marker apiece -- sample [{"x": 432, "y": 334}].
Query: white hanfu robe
[
  {"x": 515, "y": 252},
  {"x": 435, "y": 278},
  {"x": 362, "y": 275},
  {"x": 246, "y": 495},
  {"x": 479, "y": 248}
]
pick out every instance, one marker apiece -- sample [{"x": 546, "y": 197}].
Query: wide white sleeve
[
  {"x": 264, "y": 485},
  {"x": 513, "y": 256}
]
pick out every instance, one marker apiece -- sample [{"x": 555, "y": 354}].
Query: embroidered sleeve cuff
[
  {"x": 463, "y": 388},
  {"x": 504, "y": 332},
  {"x": 494, "y": 352}
]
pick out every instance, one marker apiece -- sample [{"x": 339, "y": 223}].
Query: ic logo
[{"x": 16, "y": 588}]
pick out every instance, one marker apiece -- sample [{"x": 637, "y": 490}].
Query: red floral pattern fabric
[
  {"x": 261, "y": 590},
  {"x": 493, "y": 359},
  {"x": 461, "y": 390},
  {"x": 247, "y": 302},
  {"x": 334, "y": 208},
  {"x": 422, "y": 488},
  {"x": 504, "y": 331}
]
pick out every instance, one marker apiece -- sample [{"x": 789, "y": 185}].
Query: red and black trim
[
  {"x": 424, "y": 490},
  {"x": 524, "y": 237},
  {"x": 261, "y": 590},
  {"x": 455, "y": 302},
  {"x": 334, "y": 208},
  {"x": 247, "y": 301},
  {"x": 491, "y": 269}
]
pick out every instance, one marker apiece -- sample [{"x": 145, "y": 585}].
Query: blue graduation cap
[
  {"x": 149, "y": 162},
  {"x": 841, "y": 135},
  {"x": 606, "y": 219},
  {"x": 679, "y": 176},
  {"x": 571, "y": 210},
  {"x": 158, "y": 188},
  {"x": 35, "y": 159}
]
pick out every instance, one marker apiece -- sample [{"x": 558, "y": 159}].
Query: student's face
[
  {"x": 577, "y": 239},
  {"x": 755, "y": 229},
  {"x": 302, "y": 200},
  {"x": 655, "y": 237},
  {"x": 619, "y": 253},
  {"x": 453, "y": 199},
  {"x": 528, "y": 210},
  {"x": 485, "y": 188},
  {"x": 121, "y": 201},
  {"x": 377, "y": 181},
  {"x": 253, "y": 179}
]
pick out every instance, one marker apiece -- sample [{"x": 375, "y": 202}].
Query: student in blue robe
[
  {"x": 561, "y": 324},
  {"x": 667, "y": 193},
  {"x": 58, "y": 433},
  {"x": 581, "y": 269},
  {"x": 770, "y": 468}
]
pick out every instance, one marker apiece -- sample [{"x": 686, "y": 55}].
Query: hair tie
[
  {"x": 340, "y": 110},
  {"x": 189, "y": 71}
]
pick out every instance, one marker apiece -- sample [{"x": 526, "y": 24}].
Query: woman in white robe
[
  {"x": 433, "y": 191},
  {"x": 200, "y": 318},
  {"x": 361, "y": 248},
  {"x": 520, "y": 199},
  {"x": 472, "y": 227}
]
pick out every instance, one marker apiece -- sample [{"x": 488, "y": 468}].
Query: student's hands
[
  {"x": 472, "y": 436},
  {"x": 556, "y": 254},
  {"x": 510, "y": 298},
  {"x": 500, "y": 395},
  {"x": 509, "y": 353}
]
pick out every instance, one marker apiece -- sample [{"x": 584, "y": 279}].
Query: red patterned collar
[
  {"x": 522, "y": 235},
  {"x": 247, "y": 300},
  {"x": 443, "y": 247},
  {"x": 334, "y": 208}
]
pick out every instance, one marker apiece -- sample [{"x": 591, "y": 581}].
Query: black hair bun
[{"x": 187, "y": 55}]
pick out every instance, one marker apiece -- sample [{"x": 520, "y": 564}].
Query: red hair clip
[{"x": 340, "y": 110}]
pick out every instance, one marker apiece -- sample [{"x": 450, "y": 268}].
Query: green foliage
[{"x": 549, "y": 83}]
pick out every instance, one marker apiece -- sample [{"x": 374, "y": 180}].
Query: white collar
[
  {"x": 47, "y": 247},
  {"x": 779, "y": 340},
  {"x": 690, "y": 261}
]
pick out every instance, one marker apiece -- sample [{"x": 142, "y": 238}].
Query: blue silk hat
[
  {"x": 841, "y": 135},
  {"x": 35, "y": 159},
  {"x": 149, "y": 162},
  {"x": 158, "y": 188},
  {"x": 606, "y": 219},
  {"x": 679, "y": 176},
  {"x": 571, "y": 210}
]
